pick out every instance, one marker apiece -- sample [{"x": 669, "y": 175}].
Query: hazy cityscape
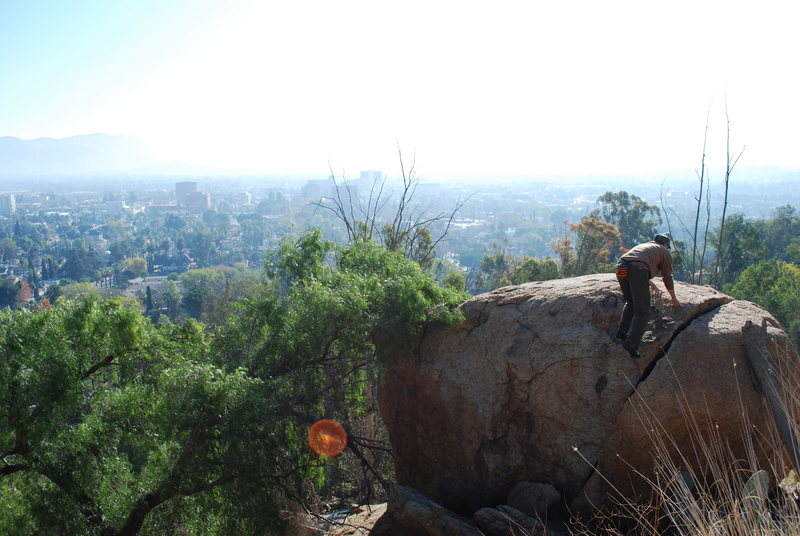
[
  {"x": 242, "y": 217},
  {"x": 127, "y": 230}
]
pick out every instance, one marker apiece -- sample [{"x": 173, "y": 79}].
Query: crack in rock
[{"x": 705, "y": 308}]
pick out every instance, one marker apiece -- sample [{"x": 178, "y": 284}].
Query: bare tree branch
[
  {"x": 705, "y": 231},
  {"x": 407, "y": 229},
  {"x": 699, "y": 198},
  {"x": 728, "y": 169}
]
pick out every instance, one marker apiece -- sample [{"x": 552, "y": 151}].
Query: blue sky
[{"x": 483, "y": 88}]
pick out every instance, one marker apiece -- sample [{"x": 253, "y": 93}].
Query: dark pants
[{"x": 635, "y": 283}]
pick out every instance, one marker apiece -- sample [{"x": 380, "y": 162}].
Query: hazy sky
[{"x": 488, "y": 88}]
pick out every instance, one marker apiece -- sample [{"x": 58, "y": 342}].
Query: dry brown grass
[{"x": 707, "y": 490}]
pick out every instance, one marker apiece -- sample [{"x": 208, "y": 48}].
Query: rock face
[{"x": 531, "y": 388}]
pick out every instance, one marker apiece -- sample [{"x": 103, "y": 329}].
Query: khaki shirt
[{"x": 655, "y": 257}]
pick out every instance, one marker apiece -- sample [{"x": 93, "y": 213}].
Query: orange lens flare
[{"x": 327, "y": 438}]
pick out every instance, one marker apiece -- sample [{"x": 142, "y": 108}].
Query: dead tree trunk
[
  {"x": 757, "y": 348},
  {"x": 701, "y": 176},
  {"x": 728, "y": 169}
]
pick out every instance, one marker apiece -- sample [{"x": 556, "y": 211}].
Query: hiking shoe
[{"x": 631, "y": 350}]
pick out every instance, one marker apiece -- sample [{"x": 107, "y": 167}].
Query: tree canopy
[
  {"x": 113, "y": 425},
  {"x": 775, "y": 285},
  {"x": 597, "y": 243},
  {"x": 636, "y": 221}
]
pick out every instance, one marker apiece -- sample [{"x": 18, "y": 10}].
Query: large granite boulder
[{"x": 532, "y": 388}]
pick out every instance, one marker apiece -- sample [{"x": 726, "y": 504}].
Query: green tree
[
  {"x": 775, "y": 285},
  {"x": 201, "y": 247},
  {"x": 134, "y": 267},
  {"x": 171, "y": 299},
  {"x": 80, "y": 263},
  {"x": 111, "y": 426},
  {"x": 8, "y": 249},
  {"x": 76, "y": 291},
  {"x": 209, "y": 294},
  {"x": 332, "y": 314},
  {"x": 254, "y": 232},
  {"x": 219, "y": 223},
  {"x": 9, "y": 292},
  {"x": 793, "y": 251},
  {"x": 743, "y": 246},
  {"x": 530, "y": 269},
  {"x": 198, "y": 286},
  {"x": 114, "y": 230},
  {"x": 174, "y": 222},
  {"x": 220, "y": 305},
  {"x": 455, "y": 280},
  {"x": 493, "y": 267},
  {"x": 122, "y": 249},
  {"x": 781, "y": 231},
  {"x": 636, "y": 221}
]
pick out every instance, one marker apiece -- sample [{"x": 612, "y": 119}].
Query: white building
[{"x": 8, "y": 205}]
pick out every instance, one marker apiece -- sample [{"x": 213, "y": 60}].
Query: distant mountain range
[
  {"x": 102, "y": 156},
  {"x": 92, "y": 154}
]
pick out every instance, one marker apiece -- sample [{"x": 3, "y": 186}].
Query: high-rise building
[
  {"x": 197, "y": 201},
  {"x": 182, "y": 189},
  {"x": 8, "y": 205}
]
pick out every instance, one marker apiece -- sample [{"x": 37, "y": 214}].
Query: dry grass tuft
[{"x": 709, "y": 490}]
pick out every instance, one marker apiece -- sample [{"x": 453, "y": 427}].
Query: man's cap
[{"x": 661, "y": 239}]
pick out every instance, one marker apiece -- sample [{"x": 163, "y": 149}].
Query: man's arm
[
  {"x": 669, "y": 283},
  {"x": 666, "y": 276},
  {"x": 654, "y": 288}
]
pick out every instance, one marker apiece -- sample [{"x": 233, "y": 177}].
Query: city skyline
[{"x": 519, "y": 88}]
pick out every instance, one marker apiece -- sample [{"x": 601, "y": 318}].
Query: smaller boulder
[
  {"x": 501, "y": 522},
  {"x": 533, "y": 498},
  {"x": 506, "y": 520},
  {"x": 412, "y": 513}
]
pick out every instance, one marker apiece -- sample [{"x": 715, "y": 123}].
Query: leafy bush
[{"x": 775, "y": 285}]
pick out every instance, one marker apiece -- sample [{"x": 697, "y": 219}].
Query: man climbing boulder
[{"x": 635, "y": 270}]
